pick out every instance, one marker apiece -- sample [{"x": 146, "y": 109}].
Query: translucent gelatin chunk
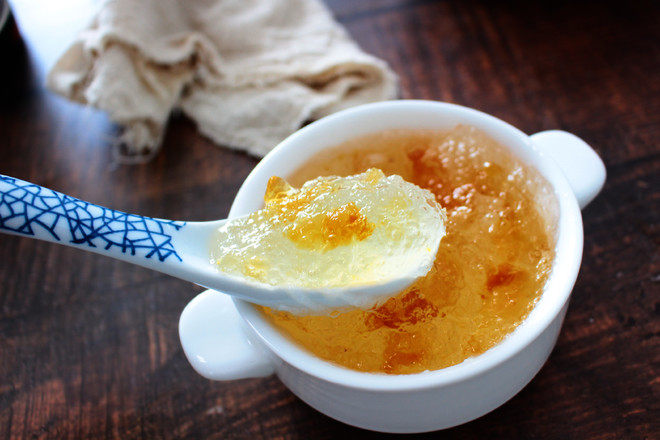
[{"x": 333, "y": 232}]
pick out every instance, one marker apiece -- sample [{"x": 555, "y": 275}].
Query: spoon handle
[
  {"x": 32, "y": 210},
  {"x": 176, "y": 248}
]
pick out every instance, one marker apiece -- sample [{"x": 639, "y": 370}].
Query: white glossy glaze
[{"x": 430, "y": 400}]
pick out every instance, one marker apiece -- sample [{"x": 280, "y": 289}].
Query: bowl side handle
[
  {"x": 583, "y": 168},
  {"x": 214, "y": 340}
]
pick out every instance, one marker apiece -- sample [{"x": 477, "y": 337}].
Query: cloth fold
[{"x": 248, "y": 72}]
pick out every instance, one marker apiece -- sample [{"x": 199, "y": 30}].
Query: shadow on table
[{"x": 16, "y": 73}]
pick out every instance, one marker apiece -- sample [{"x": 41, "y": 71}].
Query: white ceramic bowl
[{"x": 226, "y": 340}]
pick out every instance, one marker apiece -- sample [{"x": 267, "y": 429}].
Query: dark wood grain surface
[{"x": 89, "y": 346}]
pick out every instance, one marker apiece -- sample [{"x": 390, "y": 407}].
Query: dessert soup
[{"x": 489, "y": 271}]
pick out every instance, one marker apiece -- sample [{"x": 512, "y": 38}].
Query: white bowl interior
[{"x": 371, "y": 118}]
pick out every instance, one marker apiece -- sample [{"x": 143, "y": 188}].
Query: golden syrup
[
  {"x": 336, "y": 227},
  {"x": 489, "y": 271}
]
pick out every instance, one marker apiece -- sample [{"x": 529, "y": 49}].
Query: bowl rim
[{"x": 557, "y": 290}]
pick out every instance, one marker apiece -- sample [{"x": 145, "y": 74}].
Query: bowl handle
[
  {"x": 581, "y": 165},
  {"x": 215, "y": 342}
]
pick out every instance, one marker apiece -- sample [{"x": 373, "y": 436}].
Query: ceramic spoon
[{"x": 177, "y": 248}]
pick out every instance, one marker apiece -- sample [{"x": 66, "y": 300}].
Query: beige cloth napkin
[{"x": 248, "y": 72}]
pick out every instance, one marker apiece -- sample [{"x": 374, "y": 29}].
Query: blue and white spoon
[{"x": 177, "y": 248}]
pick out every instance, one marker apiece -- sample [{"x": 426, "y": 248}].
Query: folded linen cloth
[{"x": 248, "y": 72}]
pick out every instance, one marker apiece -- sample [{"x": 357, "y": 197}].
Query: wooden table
[{"x": 89, "y": 346}]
